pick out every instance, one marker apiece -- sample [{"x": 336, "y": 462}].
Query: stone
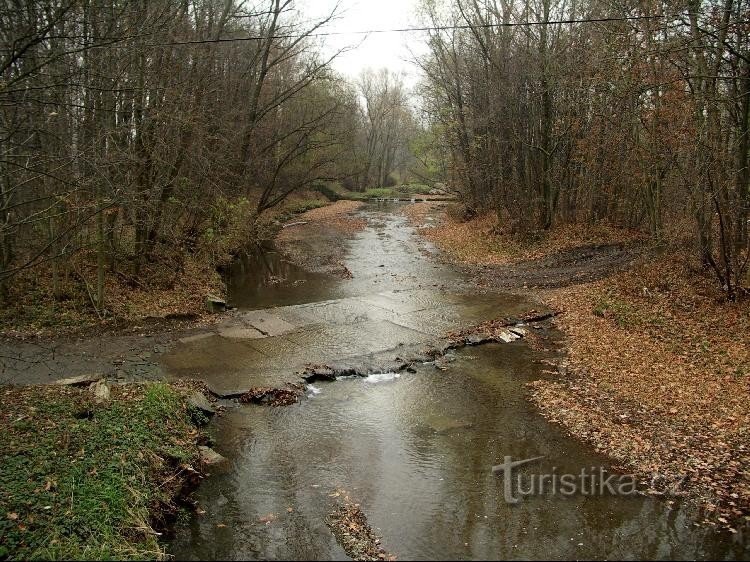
[
  {"x": 319, "y": 373},
  {"x": 209, "y": 457},
  {"x": 100, "y": 390},
  {"x": 507, "y": 337},
  {"x": 80, "y": 380},
  {"x": 476, "y": 339},
  {"x": 215, "y": 305},
  {"x": 199, "y": 401}
]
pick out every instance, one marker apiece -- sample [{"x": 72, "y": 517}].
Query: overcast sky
[{"x": 391, "y": 50}]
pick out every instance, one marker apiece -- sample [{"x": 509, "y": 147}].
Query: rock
[
  {"x": 100, "y": 390},
  {"x": 199, "y": 401},
  {"x": 319, "y": 373},
  {"x": 80, "y": 380},
  {"x": 520, "y": 332},
  {"x": 476, "y": 339},
  {"x": 507, "y": 337},
  {"x": 215, "y": 304},
  {"x": 209, "y": 457}
]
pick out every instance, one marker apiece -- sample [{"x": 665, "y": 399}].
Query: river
[{"x": 415, "y": 450}]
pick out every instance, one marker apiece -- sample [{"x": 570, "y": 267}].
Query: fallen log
[{"x": 298, "y": 223}]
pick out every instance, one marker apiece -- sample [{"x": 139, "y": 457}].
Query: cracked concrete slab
[{"x": 266, "y": 322}]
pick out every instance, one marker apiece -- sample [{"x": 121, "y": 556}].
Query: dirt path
[
  {"x": 473, "y": 247},
  {"x": 570, "y": 267}
]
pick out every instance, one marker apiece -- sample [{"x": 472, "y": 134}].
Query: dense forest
[
  {"x": 142, "y": 133},
  {"x": 633, "y": 113}
]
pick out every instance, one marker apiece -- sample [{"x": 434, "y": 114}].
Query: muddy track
[{"x": 570, "y": 267}]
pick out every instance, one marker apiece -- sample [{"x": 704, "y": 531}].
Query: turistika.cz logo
[{"x": 594, "y": 481}]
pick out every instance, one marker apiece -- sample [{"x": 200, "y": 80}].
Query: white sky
[{"x": 390, "y": 50}]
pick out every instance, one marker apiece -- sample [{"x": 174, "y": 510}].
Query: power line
[{"x": 379, "y": 31}]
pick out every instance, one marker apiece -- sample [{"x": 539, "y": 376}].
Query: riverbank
[
  {"x": 168, "y": 293},
  {"x": 316, "y": 239},
  {"x": 93, "y": 476},
  {"x": 657, "y": 370}
]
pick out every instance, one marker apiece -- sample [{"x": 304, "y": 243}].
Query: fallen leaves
[
  {"x": 482, "y": 240},
  {"x": 663, "y": 390},
  {"x": 349, "y": 525},
  {"x": 658, "y": 369}
]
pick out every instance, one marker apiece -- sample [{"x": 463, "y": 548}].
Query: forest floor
[
  {"x": 93, "y": 477},
  {"x": 657, "y": 374}
]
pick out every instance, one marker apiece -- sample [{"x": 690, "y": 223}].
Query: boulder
[
  {"x": 209, "y": 457},
  {"x": 100, "y": 390},
  {"x": 199, "y": 401}
]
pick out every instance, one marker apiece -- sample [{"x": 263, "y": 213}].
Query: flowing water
[{"x": 415, "y": 450}]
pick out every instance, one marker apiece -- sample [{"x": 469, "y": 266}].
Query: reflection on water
[
  {"x": 260, "y": 277},
  {"x": 416, "y": 452}
]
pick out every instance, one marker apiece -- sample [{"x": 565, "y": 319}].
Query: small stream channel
[{"x": 415, "y": 450}]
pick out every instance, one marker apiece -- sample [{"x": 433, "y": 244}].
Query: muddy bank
[
  {"x": 657, "y": 379},
  {"x": 129, "y": 355},
  {"x": 494, "y": 261},
  {"x": 316, "y": 239}
]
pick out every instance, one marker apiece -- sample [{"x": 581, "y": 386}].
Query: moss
[{"x": 81, "y": 480}]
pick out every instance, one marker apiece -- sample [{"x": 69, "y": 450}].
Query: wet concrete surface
[
  {"x": 119, "y": 358},
  {"x": 268, "y": 347},
  {"x": 398, "y": 298}
]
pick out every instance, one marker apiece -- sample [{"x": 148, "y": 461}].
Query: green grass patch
[
  {"x": 81, "y": 480},
  {"x": 608, "y": 306}
]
